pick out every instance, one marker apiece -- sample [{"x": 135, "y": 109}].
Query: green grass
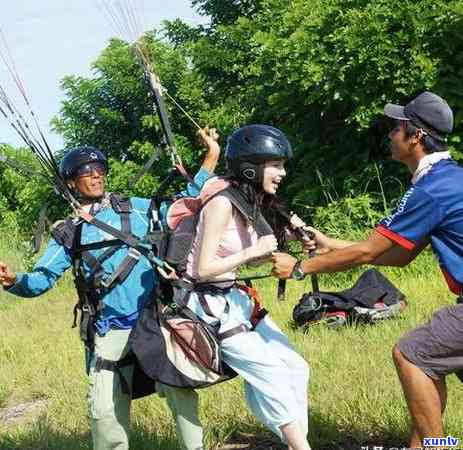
[{"x": 355, "y": 396}]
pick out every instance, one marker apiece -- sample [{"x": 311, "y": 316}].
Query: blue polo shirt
[{"x": 433, "y": 209}]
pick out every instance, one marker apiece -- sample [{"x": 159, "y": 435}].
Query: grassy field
[{"x": 355, "y": 396}]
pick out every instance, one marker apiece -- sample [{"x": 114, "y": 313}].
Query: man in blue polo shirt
[{"x": 430, "y": 212}]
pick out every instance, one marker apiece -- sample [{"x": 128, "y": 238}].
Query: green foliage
[
  {"x": 221, "y": 12},
  {"x": 22, "y": 195},
  {"x": 349, "y": 216},
  {"x": 115, "y": 111},
  {"x": 321, "y": 70}
]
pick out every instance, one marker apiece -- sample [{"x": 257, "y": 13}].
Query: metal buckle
[
  {"x": 134, "y": 253},
  {"x": 98, "y": 364},
  {"x": 171, "y": 275}
]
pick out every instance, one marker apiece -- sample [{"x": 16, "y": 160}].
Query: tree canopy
[{"x": 321, "y": 71}]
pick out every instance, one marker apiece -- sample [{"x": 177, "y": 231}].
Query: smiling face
[
  {"x": 90, "y": 181},
  {"x": 274, "y": 172}
]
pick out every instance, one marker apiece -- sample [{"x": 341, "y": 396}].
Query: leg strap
[
  {"x": 114, "y": 366},
  {"x": 229, "y": 333}
]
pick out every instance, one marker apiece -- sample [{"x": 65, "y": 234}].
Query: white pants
[{"x": 275, "y": 376}]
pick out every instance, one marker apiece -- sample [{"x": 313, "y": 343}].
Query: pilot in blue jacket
[{"x": 117, "y": 281}]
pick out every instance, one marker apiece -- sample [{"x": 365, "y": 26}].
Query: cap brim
[{"x": 395, "y": 112}]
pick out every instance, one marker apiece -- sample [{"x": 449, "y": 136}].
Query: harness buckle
[
  {"x": 170, "y": 274},
  {"x": 133, "y": 256},
  {"x": 98, "y": 364},
  {"x": 134, "y": 253}
]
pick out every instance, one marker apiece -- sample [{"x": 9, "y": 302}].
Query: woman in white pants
[{"x": 275, "y": 376}]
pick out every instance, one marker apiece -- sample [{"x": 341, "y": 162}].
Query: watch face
[{"x": 298, "y": 273}]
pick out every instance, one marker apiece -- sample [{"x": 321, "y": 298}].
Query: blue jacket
[{"x": 124, "y": 301}]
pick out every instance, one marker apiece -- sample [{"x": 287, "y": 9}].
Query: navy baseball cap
[{"x": 427, "y": 111}]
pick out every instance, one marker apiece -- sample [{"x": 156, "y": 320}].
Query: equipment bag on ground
[{"x": 373, "y": 297}]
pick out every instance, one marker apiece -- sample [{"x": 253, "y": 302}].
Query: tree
[
  {"x": 323, "y": 70},
  {"x": 115, "y": 111}
]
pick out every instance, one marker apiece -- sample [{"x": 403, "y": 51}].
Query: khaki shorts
[{"x": 437, "y": 347}]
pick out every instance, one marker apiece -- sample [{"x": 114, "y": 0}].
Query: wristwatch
[{"x": 298, "y": 273}]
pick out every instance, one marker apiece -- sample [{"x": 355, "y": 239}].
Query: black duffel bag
[{"x": 373, "y": 297}]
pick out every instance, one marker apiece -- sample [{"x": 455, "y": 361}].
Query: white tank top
[{"x": 238, "y": 236}]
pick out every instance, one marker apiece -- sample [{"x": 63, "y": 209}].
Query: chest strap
[{"x": 123, "y": 207}]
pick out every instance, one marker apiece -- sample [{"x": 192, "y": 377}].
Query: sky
[{"x": 53, "y": 38}]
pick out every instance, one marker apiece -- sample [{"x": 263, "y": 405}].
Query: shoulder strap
[
  {"x": 239, "y": 201},
  {"x": 120, "y": 204},
  {"x": 123, "y": 207},
  {"x": 64, "y": 233}
]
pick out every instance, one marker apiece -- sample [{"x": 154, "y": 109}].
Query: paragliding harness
[
  {"x": 171, "y": 343},
  {"x": 373, "y": 297},
  {"x": 92, "y": 287}
]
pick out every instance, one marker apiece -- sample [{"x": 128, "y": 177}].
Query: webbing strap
[
  {"x": 205, "y": 305},
  {"x": 155, "y": 222},
  {"x": 86, "y": 328},
  {"x": 258, "y": 313},
  {"x": 124, "y": 268},
  {"x": 130, "y": 240},
  {"x": 99, "y": 245},
  {"x": 95, "y": 267},
  {"x": 186, "y": 175},
  {"x": 113, "y": 366},
  {"x": 232, "y": 332},
  {"x": 107, "y": 253},
  {"x": 240, "y": 202},
  {"x": 125, "y": 222},
  {"x": 231, "y": 280},
  {"x": 182, "y": 305},
  {"x": 127, "y": 238},
  {"x": 96, "y": 263}
]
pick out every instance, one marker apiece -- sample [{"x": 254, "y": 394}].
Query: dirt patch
[
  {"x": 243, "y": 441},
  {"x": 21, "y": 413}
]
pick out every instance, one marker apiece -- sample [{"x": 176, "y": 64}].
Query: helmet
[
  {"x": 79, "y": 156},
  {"x": 250, "y": 146}
]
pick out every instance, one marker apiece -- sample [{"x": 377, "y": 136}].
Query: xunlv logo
[{"x": 448, "y": 441}]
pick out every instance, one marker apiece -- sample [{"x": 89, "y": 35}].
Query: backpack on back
[{"x": 171, "y": 343}]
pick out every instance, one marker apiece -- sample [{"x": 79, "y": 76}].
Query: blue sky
[{"x": 53, "y": 38}]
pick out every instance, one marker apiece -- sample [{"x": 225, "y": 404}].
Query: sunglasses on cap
[{"x": 87, "y": 169}]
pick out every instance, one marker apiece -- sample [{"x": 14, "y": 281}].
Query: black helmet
[
  {"x": 250, "y": 146},
  {"x": 79, "y": 156}
]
